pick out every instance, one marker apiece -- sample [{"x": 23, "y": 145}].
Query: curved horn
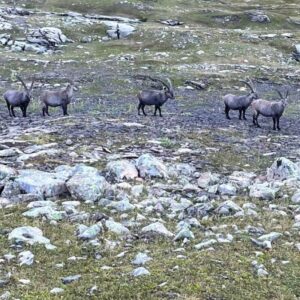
[
  {"x": 157, "y": 80},
  {"x": 287, "y": 93},
  {"x": 32, "y": 83},
  {"x": 249, "y": 85},
  {"x": 170, "y": 84},
  {"x": 281, "y": 96},
  {"x": 20, "y": 79}
]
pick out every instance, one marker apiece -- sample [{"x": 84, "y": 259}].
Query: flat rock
[
  {"x": 86, "y": 184},
  {"x": 141, "y": 271},
  {"x": 149, "y": 166},
  {"x": 262, "y": 191},
  {"x": 157, "y": 228},
  {"x": 117, "y": 228},
  {"x": 29, "y": 235},
  {"x": 122, "y": 169},
  {"x": 40, "y": 183}
]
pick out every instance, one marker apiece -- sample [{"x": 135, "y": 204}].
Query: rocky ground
[{"x": 106, "y": 204}]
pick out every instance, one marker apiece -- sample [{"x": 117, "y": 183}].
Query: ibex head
[{"x": 284, "y": 99}]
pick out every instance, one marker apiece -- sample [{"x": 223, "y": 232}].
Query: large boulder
[
  {"x": 29, "y": 235},
  {"x": 228, "y": 208},
  {"x": 87, "y": 184},
  {"x": 122, "y": 169},
  {"x": 149, "y": 166},
  {"x": 6, "y": 171},
  {"x": 282, "y": 169},
  {"x": 258, "y": 16},
  {"x": 47, "y": 37},
  {"x": 208, "y": 179},
  {"x": 40, "y": 183},
  {"x": 262, "y": 191}
]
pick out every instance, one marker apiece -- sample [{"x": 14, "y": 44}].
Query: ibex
[
  {"x": 272, "y": 109},
  {"x": 240, "y": 103},
  {"x": 61, "y": 98},
  {"x": 18, "y": 98},
  {"x": 156, "y": 98}
]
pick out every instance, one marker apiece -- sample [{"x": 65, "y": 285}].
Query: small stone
[
  {"x": 157, "y": 228},
  {"x": 70, "y": 279},
  {"x": 141, "y": 271},
  {"x": 117, "y": 228},
  {"x": 26, "y": 258},
  {"x": 206, "y": 244},
  {"x": 56, "y": 291},
  {"x": 141, "y": 259}
]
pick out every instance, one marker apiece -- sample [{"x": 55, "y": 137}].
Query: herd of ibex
[{"x": 156, "y": 98}]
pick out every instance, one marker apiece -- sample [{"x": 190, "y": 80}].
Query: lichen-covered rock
[
  {"x": 262, "y": 191},
  {"x": 116, "y": 227},
  {"x": 227, "y": 189},
  {"x": 49, "y": 212},
  {"x": 6, "y": 171},
  {"x": 87, "y": 184},
  {"x": 296, "y": 197},
  {"x": 282, "y": 169},
  {"x": 258, "y": 16},
  {"x": 158, "y": 229},
  {"x": 149, "y": 166},
  {"x": 228, "y": 208},
  {"x": 29, "y": 235},
  {"x": 40, "y": 183},
  {"x": 208, "y": 179},
  {"x": 122, "y": 169},
  {"x": 47, "y": 36},
  {"x": 88, "y": 233}
]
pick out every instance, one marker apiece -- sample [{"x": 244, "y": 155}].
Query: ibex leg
[
  {"x": 159, "y": 109},
  {"x": 274, "y": 123},
  {"x": 143, "y": 109},
  {"x": 8, "y": 107},
  {"x": 65, "y": 109},
  {"x": 227, "y": 109},
  {"x": 12, "y": 111},
  {"x": 256, "y": 118},
  {"x": 278, "y": 118},
  {"x": 244, "y": 114},
  {"x": 240, "y": 114},
  {"x": 139, "y": 107},
  {"x": 156, "y": 108},
  {"x": 23, "y": 109}
]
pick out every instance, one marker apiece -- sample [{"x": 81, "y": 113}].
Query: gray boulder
[
  {"x": 116, "y": 227},
  {"x": 228, "y": 208},
  {"x": 208, "y": 179},
  {"x": 296, "y": 197},
  {"x": 122, "y": 169},
  {"x": 149, "y": 166},
  {"x": 282, "y": 169},
  {"x": 47, "y": 37},
  {"x": 86, "y": 184},
  {"x": 29, "y": 235},
  {"x": 88, "y": 233},
  {"x": 262, "y": 191},
  {"x": 6, "y": 171},
  {"x": 227, "y": 189},
  {"x": 158, "y": 229},
  {"x": 40, "y": 183},
  {"x": 258, "y": 16}
]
